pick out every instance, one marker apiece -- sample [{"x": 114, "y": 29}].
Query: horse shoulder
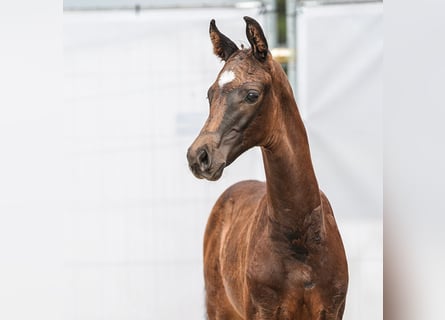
[
  {"x": 228, "y": 235},
  {"x": 237, "y": 201}
]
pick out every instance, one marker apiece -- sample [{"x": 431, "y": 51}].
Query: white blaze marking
[{"x": 226, "y": 77}]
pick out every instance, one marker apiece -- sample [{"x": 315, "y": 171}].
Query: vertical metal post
[
  {"x": 271, "y": 22},
  {"x": 291, "y": 39}
]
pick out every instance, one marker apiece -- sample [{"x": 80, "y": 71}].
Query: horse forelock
[{"x": 243, "y": 67}]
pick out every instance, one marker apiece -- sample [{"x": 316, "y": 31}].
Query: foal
[{"x": 271, "y": 250}]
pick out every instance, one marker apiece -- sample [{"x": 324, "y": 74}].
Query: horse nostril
[{"x": 203, "y": 160}]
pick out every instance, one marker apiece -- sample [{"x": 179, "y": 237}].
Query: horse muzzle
[{"x": 205, "y": 161}]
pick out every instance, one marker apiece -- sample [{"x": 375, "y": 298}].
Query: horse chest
[
  {"x": 272, "y": 276},
  {"x": 267, "y": 272}
]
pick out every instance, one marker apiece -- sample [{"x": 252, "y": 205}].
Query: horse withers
[{"x": 272, "y": 249}]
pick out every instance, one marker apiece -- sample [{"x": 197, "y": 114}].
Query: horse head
[{"x": 240, "y": 103}]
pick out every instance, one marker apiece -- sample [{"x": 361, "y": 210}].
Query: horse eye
[{"x": 252, "y": 96}]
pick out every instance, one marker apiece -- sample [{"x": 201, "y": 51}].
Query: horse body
[
  {"x": 254, "y": 270},
  {"x": 271, "y": 250}
]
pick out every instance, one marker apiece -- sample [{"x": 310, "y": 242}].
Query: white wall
[
  {"x": 339, "y": 91},
  {"x": 135, "y": 88}
]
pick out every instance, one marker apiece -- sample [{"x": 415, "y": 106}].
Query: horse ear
[
  {"x": 256, "y": 39},
  {"x": 223, "y": 47}
]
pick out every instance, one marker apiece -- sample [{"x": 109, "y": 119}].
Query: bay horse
[{"x": 271, "y": 250}]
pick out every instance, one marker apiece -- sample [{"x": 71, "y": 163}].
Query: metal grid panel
[
  {"x": 333, "y": 2},
  {"x": 155, "y": 4},
  {"x": 339, "y": 68},
  {"x": 136, "y": 88}
]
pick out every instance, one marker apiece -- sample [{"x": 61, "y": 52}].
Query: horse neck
[{"x": 292, "y": 188}]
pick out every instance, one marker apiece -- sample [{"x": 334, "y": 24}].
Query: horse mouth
[
  {"x": 211, "y": 175},
  {"x": 217, "y": 173}
]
